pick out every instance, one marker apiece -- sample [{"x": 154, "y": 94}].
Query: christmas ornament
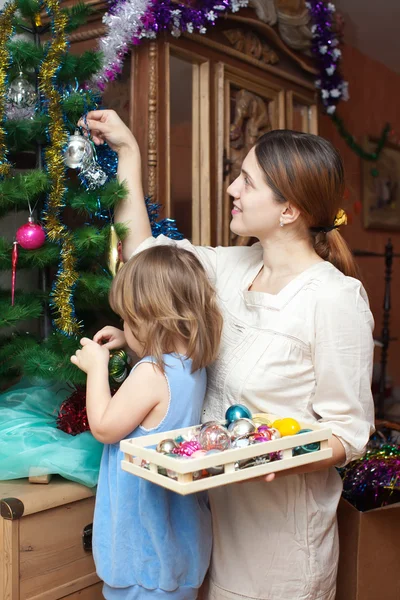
[
  {"x": 241, "y": 442},
  {"x": 187, "y": 448},
  {"x": 286, "y": 426},
  {"x": 261, "y": 419},
  {"x": 14, "y": 260},
  {"x": 214, "y": 436},
  {"x": 79, "y": 152},
  {"x": 31, "y": 235},
  {"x": 167, "y": 446},
  {"x": 241, "y": 427},
  {"x": 118, "y": 366},
  {"x": 219, "y": 468},
  {"x": 21, "y": 93},
  {"x": 308, "y": 447},
  {"x": 114, "y": 259},
  {"x": 237, "y": 411}
]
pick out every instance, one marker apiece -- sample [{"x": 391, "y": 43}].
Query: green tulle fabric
[{"x": 31, "y": 443}]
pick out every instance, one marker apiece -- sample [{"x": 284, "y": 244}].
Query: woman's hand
[
  {"x": 110, "y": 338},
  {"x": 338, "y": 458},
  {"x": 107, "y": 126},
  {"x": 91, "y": 356}
]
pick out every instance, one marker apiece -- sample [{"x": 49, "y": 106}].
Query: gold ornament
[
  {"x": 67, "y": 276},
  {"x": 38, "y": 20},
  {"x": 341, "y": 218},
  {"x": 113, "y": 260},
  {"x": 6, "y": 30}
]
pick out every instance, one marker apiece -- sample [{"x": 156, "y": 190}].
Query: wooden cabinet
[
  {"x": 42, "y": 535},
  {"x": 198, "y": 103}
]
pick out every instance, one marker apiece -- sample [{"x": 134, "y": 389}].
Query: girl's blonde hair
[{"x": 165, "y": 292}]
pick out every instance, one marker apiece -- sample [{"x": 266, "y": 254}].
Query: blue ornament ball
[{"x": 237, "y": 411}]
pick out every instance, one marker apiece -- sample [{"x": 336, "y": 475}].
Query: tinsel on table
[{"x": 374, "y": 480}]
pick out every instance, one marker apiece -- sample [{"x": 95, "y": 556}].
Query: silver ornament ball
[
  {"x": 241, "y": 427},
  {"x": 79, "y": 152},
  {"x": 22, "y": 93},
  {"x": 166, "y": 446}
]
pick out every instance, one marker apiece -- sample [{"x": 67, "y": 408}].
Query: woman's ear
[{"x": 290, "y": 214}]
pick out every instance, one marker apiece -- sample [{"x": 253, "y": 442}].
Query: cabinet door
[
  {"x": 247, "y": 107},
  {"x": 184, "y": 175},
  {"x": 301, "y": 112}
]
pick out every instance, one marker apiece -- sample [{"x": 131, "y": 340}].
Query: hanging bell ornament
[
  {"x": 21, "y": 93},
  {"x": 118, "y": 366},
  {"x": 79, "y": 152},
  {"x": 114, "y": 255}
]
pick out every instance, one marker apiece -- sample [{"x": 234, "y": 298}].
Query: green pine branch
[
  {"x": 29, "y": 8},
  {"x": 26, "y": 57},
  {"x": 45, "y": 256},
  {"x": 79, "y": 68},
  {"x": 87, "y": 202},
  {"x": 78, "y": 15},
  {"x": 51, "y": 360},
  {"x": 12, "y": 346},
  {"x": 26, "y": 134},
  {"x": 27, "y": 306},
  {"x": 93, "y": 289},
  {"x": 16, "y": 191}
]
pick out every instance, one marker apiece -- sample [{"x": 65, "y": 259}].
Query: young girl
[{"x": 149, "y": 542}]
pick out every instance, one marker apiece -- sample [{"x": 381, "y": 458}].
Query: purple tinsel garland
[
  {"x": 374, "y": 480},
  {"x": 330, "y": 83},
  {"x": 130, "y": 21}
]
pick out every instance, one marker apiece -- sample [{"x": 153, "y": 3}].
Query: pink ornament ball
[
  {"x": 30, "y": 236},
  {"x": 187, "y": 448}
]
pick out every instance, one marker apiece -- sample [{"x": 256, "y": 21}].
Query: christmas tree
[{"x": 67, "y": 186}]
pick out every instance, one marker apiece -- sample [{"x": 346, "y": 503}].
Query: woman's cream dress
[{"x": 305, "y": 353}]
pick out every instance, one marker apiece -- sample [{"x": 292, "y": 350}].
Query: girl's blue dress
[{"x": 149, "y": 542}]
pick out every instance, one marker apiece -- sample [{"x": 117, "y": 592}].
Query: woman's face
[{"x": 255, "y": 212}]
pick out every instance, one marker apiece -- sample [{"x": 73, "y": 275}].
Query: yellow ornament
[
  {"x": 287, "y": 426},
  {"x": 113, "y": 259}
]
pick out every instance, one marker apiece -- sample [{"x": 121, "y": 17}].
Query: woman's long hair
[{"x": 306, "y": 171}]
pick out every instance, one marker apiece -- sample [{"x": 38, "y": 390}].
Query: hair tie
[{"x": 340, "y": 219}]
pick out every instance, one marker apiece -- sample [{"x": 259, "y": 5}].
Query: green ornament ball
[{"x": 118, "y": 366}]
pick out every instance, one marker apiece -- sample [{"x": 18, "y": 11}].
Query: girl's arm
[{"x": 111, "y": 418}]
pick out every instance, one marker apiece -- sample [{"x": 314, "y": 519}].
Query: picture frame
[{"x": 381, "y": 188}]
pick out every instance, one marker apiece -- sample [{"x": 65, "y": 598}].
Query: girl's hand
[
  {"x": 110, "y": 338},
  {"x": 91, "y": 356},
  {"x": 106, "y": 126}
]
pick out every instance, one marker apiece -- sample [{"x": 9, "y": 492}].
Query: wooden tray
[{"x": 138, "y": 448}]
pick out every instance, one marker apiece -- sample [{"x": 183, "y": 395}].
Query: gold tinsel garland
[
  {"x": 6, "y": 30},
  {"x": 62, "y": 293}
]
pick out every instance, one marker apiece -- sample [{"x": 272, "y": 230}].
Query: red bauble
[{"x": 31, "y": 235}]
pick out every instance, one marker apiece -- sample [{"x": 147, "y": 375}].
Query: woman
[{"x": 297, "y": 342}]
